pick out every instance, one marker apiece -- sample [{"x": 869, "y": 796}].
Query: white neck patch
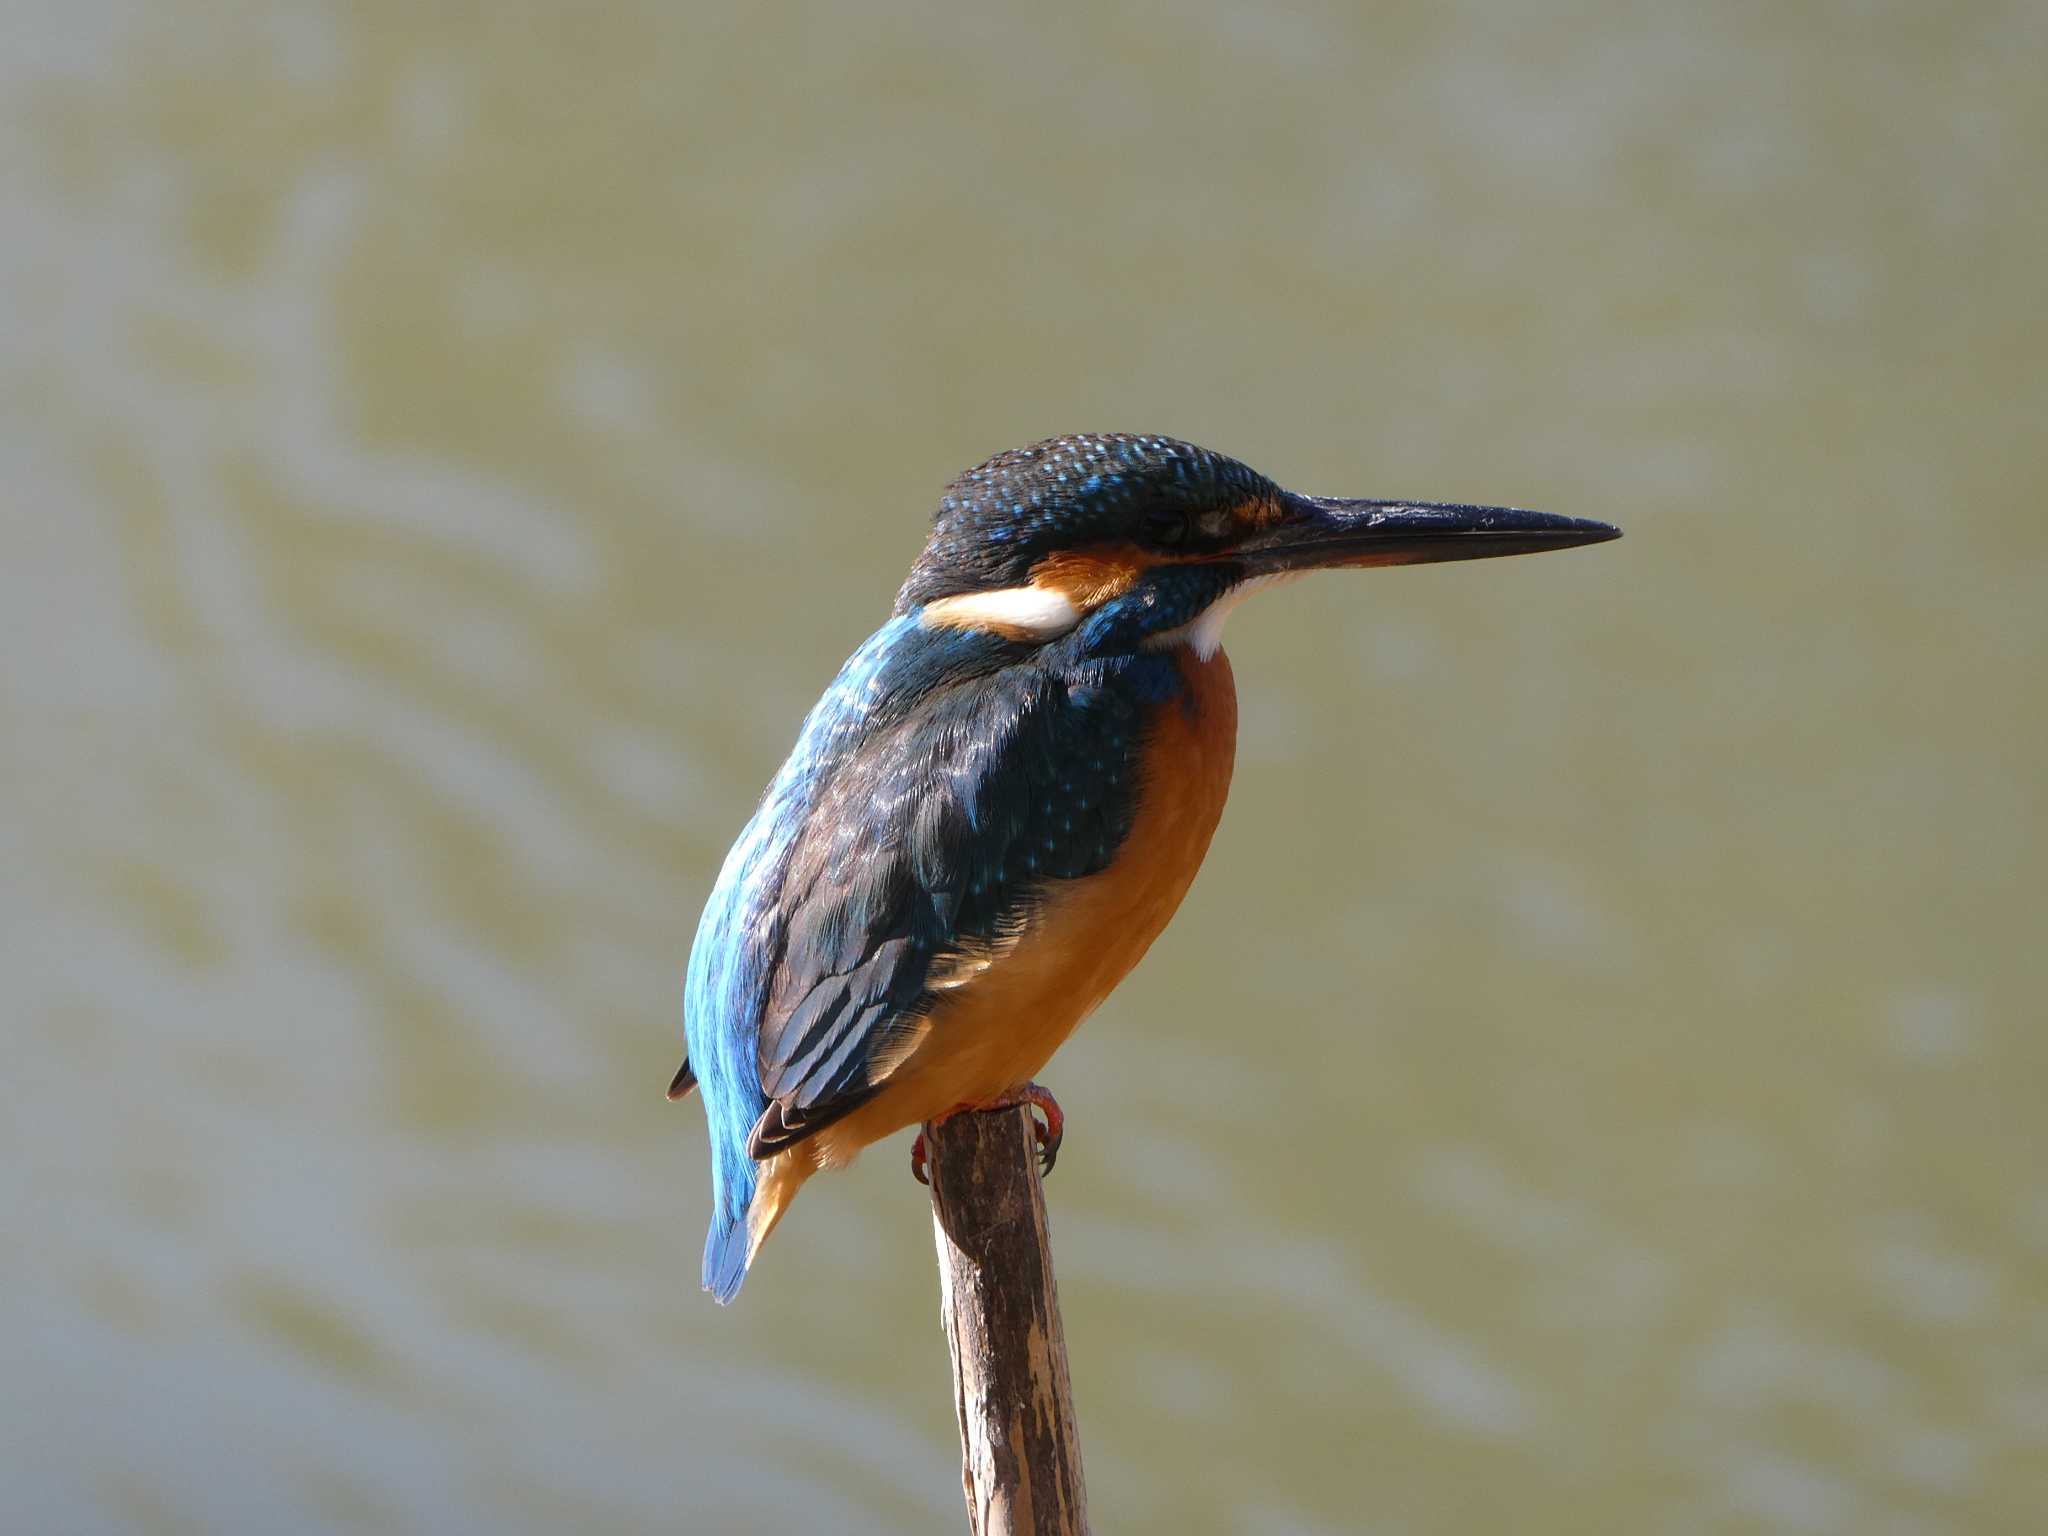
[
  {"x": 1030, "y": 613},
  {"x": 1204, "y": 634}
]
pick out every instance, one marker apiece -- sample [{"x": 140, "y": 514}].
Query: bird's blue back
[{"x": 725, "y": 987}]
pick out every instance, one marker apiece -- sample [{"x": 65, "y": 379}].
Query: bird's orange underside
[{"x": 997, "y": 1030}]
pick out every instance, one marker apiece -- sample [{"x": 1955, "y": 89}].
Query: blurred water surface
[{"x": 1597, "y": 1083}]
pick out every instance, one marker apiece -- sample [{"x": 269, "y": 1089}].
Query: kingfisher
[{"x": 1001, "y": 799}]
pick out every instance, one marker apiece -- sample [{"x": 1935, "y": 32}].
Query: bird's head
[{"x": 1034, "y": 540}]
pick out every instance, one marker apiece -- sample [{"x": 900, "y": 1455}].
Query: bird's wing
[{"x": 928, "y": 849}]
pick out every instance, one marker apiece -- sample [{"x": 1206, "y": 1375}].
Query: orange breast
[{"x": 998, "y": 1029}]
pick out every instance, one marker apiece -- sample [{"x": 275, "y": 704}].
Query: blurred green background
[{"x": 1598, "y": 1081}]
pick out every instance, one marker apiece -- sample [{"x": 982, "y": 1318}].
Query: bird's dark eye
[{"x": 1167, "y": 526}]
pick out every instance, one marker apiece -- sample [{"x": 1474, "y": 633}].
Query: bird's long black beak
[{"x": 1315, "y": 532}]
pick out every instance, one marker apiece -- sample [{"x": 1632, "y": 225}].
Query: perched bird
[{"x": 1001, "y": 799}]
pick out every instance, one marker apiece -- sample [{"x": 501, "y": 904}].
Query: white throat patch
[{"x": 1204, "y": 634}]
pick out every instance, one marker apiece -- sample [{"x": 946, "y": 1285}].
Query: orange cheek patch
[
  {"x": 1257, "y": 515},
  {"x": 1090, "y": 577}
]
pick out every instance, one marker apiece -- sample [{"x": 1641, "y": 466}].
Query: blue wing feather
[{"x": 935, "y": 837}]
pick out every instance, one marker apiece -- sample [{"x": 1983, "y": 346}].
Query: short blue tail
[
  {"x": 725, "y": 1255},
  {"x": 734, "y": 1176}
]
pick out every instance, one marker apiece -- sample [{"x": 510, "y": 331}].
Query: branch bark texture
[{"x": 1020, "y": 1451}]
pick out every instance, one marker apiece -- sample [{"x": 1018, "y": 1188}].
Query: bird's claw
[
  {"x": 1048, "y": 1128},
  {"x": 1048, "y": 1125}
]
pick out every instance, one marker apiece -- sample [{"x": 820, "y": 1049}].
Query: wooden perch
[{"x": 1020, "y": 1452}]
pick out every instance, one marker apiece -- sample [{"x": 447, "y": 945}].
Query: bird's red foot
[{"x": 1050, "y": 1130}]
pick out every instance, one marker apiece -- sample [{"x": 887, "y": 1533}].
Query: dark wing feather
[{"x": 931, "y": 840}]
